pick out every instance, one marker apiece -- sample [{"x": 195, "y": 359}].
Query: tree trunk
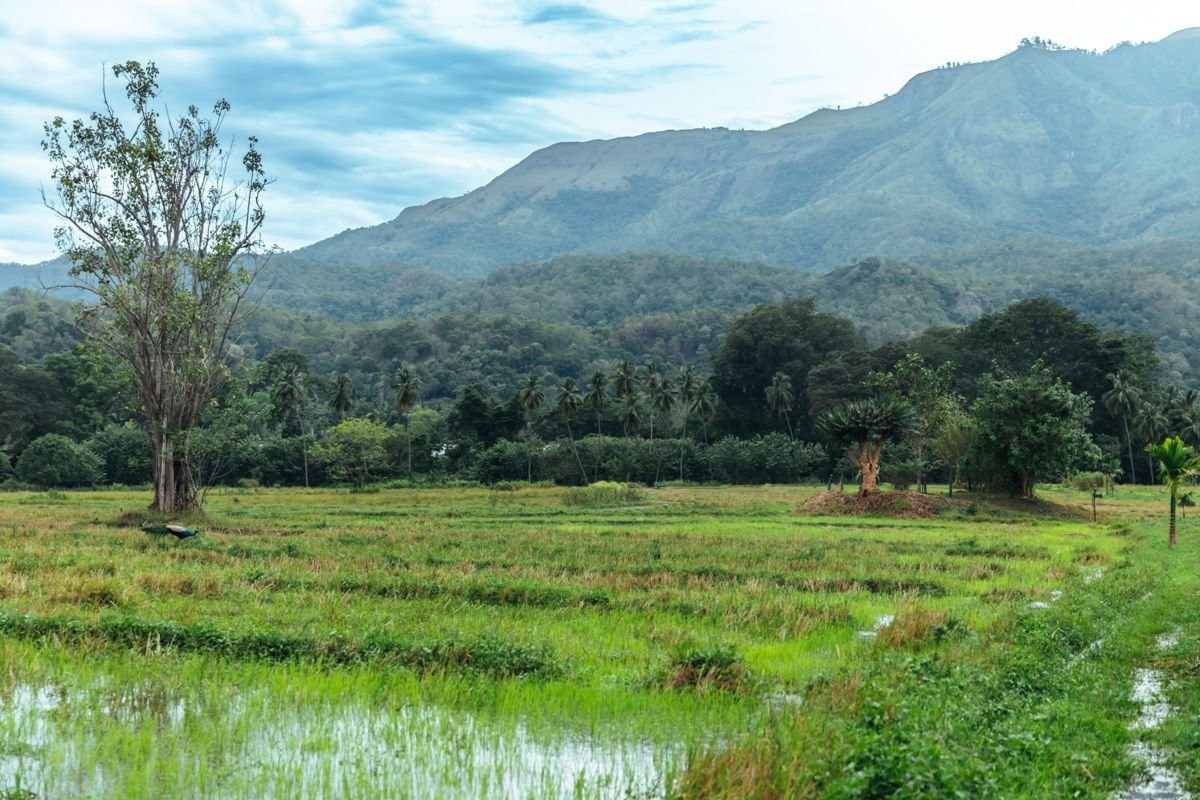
[
  {"x": 953, "y": 475},
  {"x": 1129, "y": 445},
  {"x": 303, "y": 444},
  {"x": 575, "y": 449},
  {"x": 867, "y": 462},
  {"x": 682, "y": 441},
  {"x": 173, "y": 487},
  {"x": 408, "y": 444},
  {"x": 1171, "y": 535},
  {"x": 1150, "y": 461}
]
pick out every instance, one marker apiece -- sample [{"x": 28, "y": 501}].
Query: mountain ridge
[{"x": 1094, "y": 148}]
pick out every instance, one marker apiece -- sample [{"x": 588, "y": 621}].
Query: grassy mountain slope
[{"x": 1095, "y": 149}]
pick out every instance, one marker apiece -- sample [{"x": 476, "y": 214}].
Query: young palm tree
[
  {"x": 1123, "y": 398},
  {"x": 343, "y": 396},
  {"x": 408, "y": 394},
  {"x": 864, "y": 427},
  {"x": 289, "y": 395},
  {"x": 531, "y": 397},
  {"x": 1177, "y": 463},
  {"x": 780, "y": 398},
  {"x": 569, "y": 400}
]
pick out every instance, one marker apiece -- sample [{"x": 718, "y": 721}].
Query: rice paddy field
[{"x": 544, "y": 642}]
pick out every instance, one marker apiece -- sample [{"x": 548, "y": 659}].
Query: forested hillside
[{"x": 1092, "y": 149}]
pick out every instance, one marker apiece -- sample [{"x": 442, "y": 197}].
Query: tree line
[{"x": 1028, "y": 393}]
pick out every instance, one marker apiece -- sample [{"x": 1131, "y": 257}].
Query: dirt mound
[{"x": 906, "y": 505}]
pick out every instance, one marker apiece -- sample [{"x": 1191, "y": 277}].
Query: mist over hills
[{"x": 1088, "y": 149}]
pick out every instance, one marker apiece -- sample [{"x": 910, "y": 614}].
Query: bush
[
  {"x": 124, "y": 455},
  {"x": 54, "y": 460},
  {"x": 773, "y": 458},
  {"x": 1087, "y": 481},
  {"x": 6, "y": 469},
  {"x": 604, "y": 493}
]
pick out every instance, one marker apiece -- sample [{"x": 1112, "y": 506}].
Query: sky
[{"x": 364, "y": 108}]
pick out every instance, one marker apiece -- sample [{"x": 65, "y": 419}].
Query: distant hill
[{"x": 1094, "y": 150}]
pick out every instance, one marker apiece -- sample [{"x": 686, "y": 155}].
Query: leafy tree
[
  {"x": 54, "y": 460},
  {"x": 159, "y": 237},
  {"x": 864, "y": 427},
  {"x": 954, "y": 441},
  {"x": 1030, "y": 428},
  {"x": 98, "y": 389},
  {"x": 1123, "y": 399},
  {"x": 1177, "y": 463},
  {"x": 780, "y": 398},
  {"x": 408, "y": 394},
  {"x": 930, "y": 391},
  {"x": 353, "y": 450},
  {"x": 791, "y": 338},
  {"x": 569, "y": 400},
  {"x": 123, "y": 454},
  {"x": 32, "y": 402}
]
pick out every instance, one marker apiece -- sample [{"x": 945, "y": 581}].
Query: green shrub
[
  {"x": 1087, "y": 481},
  {"x": 54, "y": 460},
  {"x": 706, "y": 669},
  {"x": 604, "y": 493}
]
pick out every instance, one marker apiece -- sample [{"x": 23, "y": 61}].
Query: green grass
[{"x": 548, "y": 638}]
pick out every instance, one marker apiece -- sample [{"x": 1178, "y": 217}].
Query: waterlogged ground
[{"x": 478, "y": 643}]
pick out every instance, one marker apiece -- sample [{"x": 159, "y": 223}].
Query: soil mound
[{"x": 906, "y": 505}]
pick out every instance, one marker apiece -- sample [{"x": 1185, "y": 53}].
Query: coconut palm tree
[
  {"x": 1150, "y": 422},
  {"x": 1177, "y": 463},
  {"x": 569, "y": 400},
  {"x": 408, "y": 394},
  {"x": 597, "y": 396},
  {"x": 343, "y": 396},
  {"x": 629, "y": 412},
  {"x": 289, "y": 394},
  {"x": 1123, "y": 398},
  {"x": 780, "y": 398},
  {"x": 650, "y": 386},
  {"x": 596, "y": 399},
  {"x": 625, "y": 378},
  {"x": 705, "y": 406},
  {"x": 689, "y": 388},
  {"x": 531, "y": 397},
  {"x": 864, "y": 427}
]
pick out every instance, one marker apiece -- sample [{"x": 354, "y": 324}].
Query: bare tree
[{"x": 162, "y": 237}]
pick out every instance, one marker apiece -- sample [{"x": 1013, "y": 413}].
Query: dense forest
[{"x": 722, "y": 395}]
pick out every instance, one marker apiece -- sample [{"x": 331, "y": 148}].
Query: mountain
[{"x": 1093, "y": 149}]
